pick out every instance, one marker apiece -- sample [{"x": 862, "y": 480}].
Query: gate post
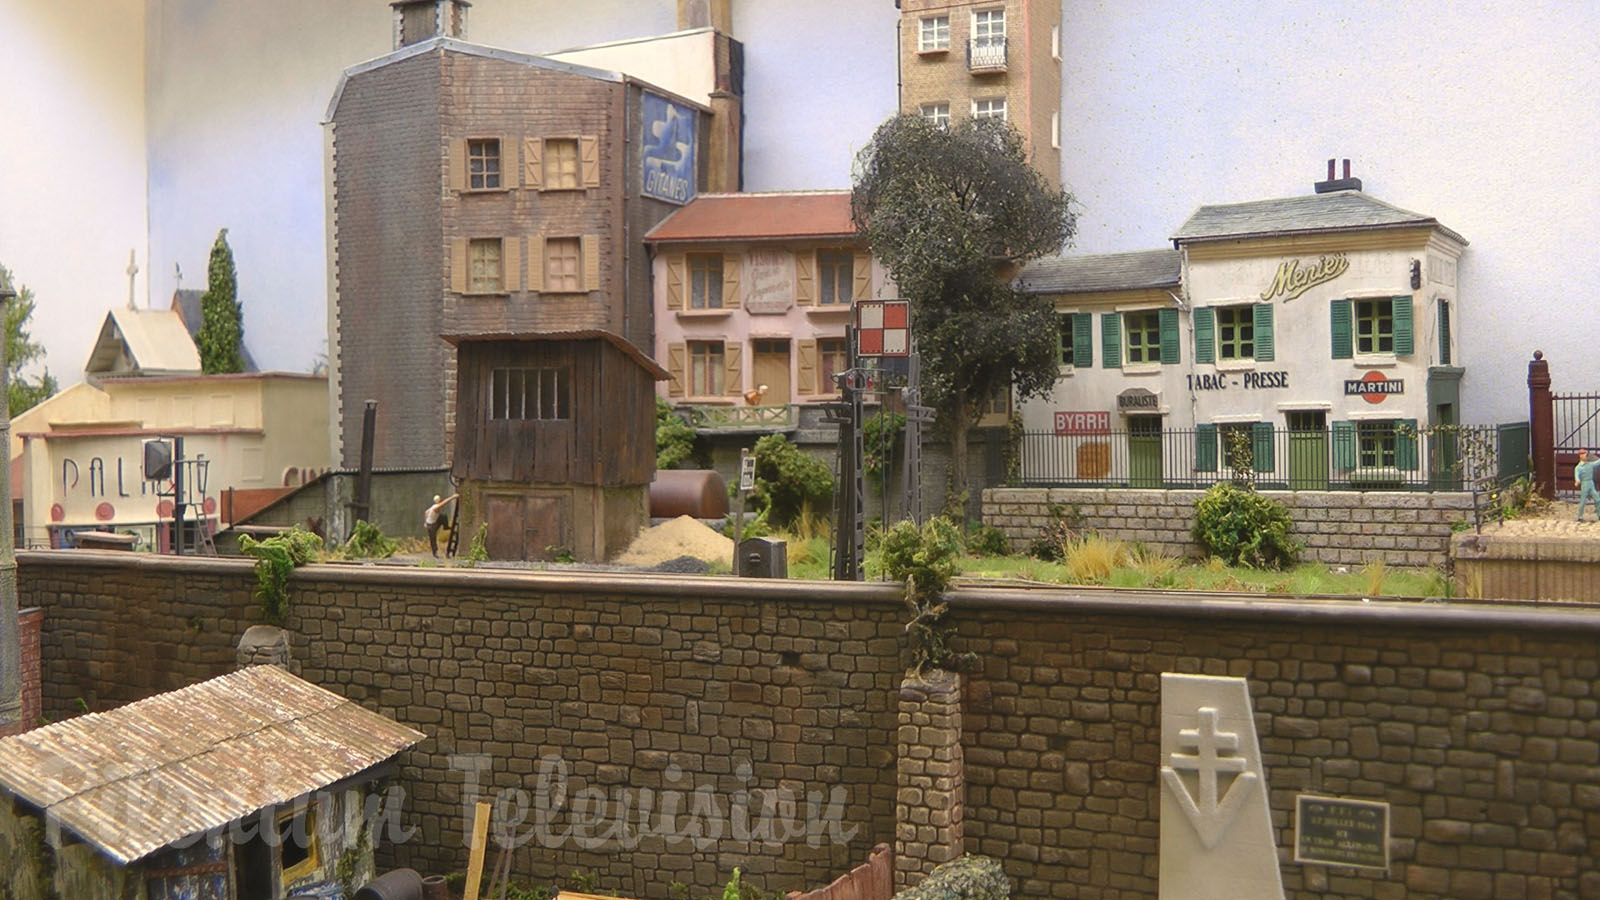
[{"x": 1542, "y": 426}]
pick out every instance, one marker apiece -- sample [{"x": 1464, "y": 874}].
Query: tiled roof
[
  {"x": 746, "y": 217},
  {"x": 154, "y": 339},
  {"x": 1102, "y": 272},
  {"x": 1312, "y": 213},
  {"x": 137, "y": 778}
]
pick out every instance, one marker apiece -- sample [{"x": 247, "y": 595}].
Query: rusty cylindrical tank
[{"x": 700, "y": 493}]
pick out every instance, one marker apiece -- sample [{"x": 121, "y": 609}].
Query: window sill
[
  {"x": 1236, "y": 365},
  {"x": 710, "y": 401},
  {"x": 562, "y": 293},
  {"x": 561, "y": 190},
  {"x": 481, "y": 295},
  {"x": 831, "y": 309},
  {"x": 722, "y": 313},
  {"x": 1065, "y": 371},
  {"x": 474, "y": 192},
  {"x": 1377, "y": 361},
  {"x": 1142, "y": 369},
  {"x": 932, "y": 51}
]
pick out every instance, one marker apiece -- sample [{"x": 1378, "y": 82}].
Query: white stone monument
[{"x": 1217, "y": 839}]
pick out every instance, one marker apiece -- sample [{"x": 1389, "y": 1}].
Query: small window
[
  {"x": 1444, "y": 332},
  {"x": 529, "y": 393},
  {"x": 705, "y": 281},
  {"x": 1374, "y": 326},
  {"x": 1055, "y": 42},
  {"x": 1236, "y": 332},
  {"x": 297, "y": 843},
  {"x": 835, "y": 276},
  {"x": 561, "y": 164},
  {"x": 1143, "y": 337},
  {"x": 706, "y": 363},
  {"x": 833, "y": 357},
  {"x": 563, "y": 265},
  {"x": 933, "y": 34},
  {"x": 937, "y": 113},
  {"x": 1377, "y": 445},
  {"x": 1055, "y": 131},
  {"x": 483, "y": 164},
  {"x": 989, "y": 108},
  {"x": 484, "y": 258},
  {"x": 1066, "y": 356},
  {"x": 989, "y": 28}
]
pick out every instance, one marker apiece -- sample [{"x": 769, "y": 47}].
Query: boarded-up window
[
  {"x": 486, "y": 270},
  {"x": 529, "y": 393},
  {"x": 705, "y": 281},
  {"x": 561, "y": 164},
  {"x": 563, "y": 265},
  {"x": 706, "y": 364},
  {"x": 835, "y": 276},
  {"x": 483, "y": 164}
]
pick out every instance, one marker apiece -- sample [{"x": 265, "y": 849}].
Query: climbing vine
[{"x": 276, "y": 557}]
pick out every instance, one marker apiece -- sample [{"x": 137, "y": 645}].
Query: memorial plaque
[{"x": 1339, "y": 832}]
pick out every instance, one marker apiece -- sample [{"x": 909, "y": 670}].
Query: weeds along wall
[
  {"x": 1476, "y": 722},
  {"x": 1335, "y": 527}
]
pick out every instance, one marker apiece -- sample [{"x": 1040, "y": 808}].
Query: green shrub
[
  {"x": 880, "y": 440},
  {"x": 925, "y": 559},
  {"x": 276, "y": 557},
  {"x": 968, "y": 878},
  {"x": 674, "y": 437},
  {"x": 987, "y": 540},
  {"x": 367, "y": 541},
  {"x": 478, "y": 549},
  {"x": 788, "y": 480},
  {"x": 1241, "y": 527},
  {"x": 1056, "y": 538}
]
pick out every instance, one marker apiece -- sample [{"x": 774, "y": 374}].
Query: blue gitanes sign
[{"x": 669, "y": 168}]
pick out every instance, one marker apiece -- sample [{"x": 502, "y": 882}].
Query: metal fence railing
[{"x": 1347, "y": 456}]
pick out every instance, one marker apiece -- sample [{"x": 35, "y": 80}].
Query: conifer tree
[{"x": 221, "y": 317}]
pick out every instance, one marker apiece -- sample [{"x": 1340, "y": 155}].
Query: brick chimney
[
  {"x": 700, "y": 13},
  {"x": 416, "y": 21},
  {"x": 1337, "y": 184}
]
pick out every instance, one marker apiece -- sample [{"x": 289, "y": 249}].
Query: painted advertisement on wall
[{"x": 668, "y": 156}]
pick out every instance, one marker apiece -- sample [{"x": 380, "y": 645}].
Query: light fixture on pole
[{"x": 10, "y": 644}]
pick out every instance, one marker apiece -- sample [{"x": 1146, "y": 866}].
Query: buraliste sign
[{"x": 668, "y": 150}]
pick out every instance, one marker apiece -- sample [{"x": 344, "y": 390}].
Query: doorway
[
  {"x": 522, "y": 527},
  {"x": 770, "y": 366},
  {"x": 1144, "y": 451},
  {"x": 1308, "y": 450}
]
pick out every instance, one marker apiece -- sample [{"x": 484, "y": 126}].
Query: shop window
[
  {"x": 563, "y": 258},
  {"x": 1374, "y": 323},
  {"x": 937, "y": 113},
  {"x": 705, "y": 280},
  {"x": 529, "y": 393},
  {"x": 933, "y": 34},
  {"x": 486, "y": 272},
  {"x": 833, "y": 358},
  {"x": 835, "y": 276},
  {"x": 561, "y": 170},
  {"x": 483, "y": 164},
  {"x": 1236, "y": 332},
  {"x": 989, "y": 108},
  {"x": 1143, "y": 337},
  {"x": 706, "y": 368}
]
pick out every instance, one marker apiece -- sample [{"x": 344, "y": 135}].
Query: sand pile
[{"x": 683, "y": 536}]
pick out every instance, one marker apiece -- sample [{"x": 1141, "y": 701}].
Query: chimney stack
[
  {"x": 1337, "y": 184},
  {"x": 416, "y": 21}
]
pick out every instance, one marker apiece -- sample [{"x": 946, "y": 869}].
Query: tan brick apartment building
[{"x": 961, "y": 59}]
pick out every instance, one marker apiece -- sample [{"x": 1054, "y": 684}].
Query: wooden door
[
  {"x": 523, "y": 527},
  {"x": 1308, "y": 450},
  {"x": 506, "y": 527},
  {"x": 770, "y": 367},
  {"x": 1144, "y": 451}
]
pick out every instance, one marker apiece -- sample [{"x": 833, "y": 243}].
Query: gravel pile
[{"x": 672, "y": 540}]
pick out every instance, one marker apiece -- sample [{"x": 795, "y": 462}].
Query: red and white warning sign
[{"x": 883, "y": 328}]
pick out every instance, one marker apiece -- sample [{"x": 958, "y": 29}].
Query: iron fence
[{"x": 1348, "y": 456}]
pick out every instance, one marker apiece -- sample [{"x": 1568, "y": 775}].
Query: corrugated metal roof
[
  {"x": 1103, "y": 272},
  {"x": 768, "y": 216},
  {"x": 1334, "y": 211},
  {"x": 137, "y": 778}
]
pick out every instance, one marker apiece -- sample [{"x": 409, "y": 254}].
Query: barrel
[
  {"x": 699, "y": 493},
  {"x": 401, "y": 884}
]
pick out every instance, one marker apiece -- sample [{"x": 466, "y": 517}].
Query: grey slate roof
[
  {"x": 1309, "y": 214},
  {"x": 1102, "y": 272}
]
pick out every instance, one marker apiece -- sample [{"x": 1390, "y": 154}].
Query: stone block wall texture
[
  {"x": 1478, "y": 723},
  {"x": 1526, "y": 567},
  {"x": 930, "y": 803},
  {"x": 29, "y": 625},
  {"x": 1335, "y": 527}
]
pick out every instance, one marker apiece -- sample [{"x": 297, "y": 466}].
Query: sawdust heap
[{"x": 683, "y": 536}]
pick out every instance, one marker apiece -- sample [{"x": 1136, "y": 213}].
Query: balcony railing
[
  {"x": 711, "y": 418},
  {"x": 986, "y": 54}
]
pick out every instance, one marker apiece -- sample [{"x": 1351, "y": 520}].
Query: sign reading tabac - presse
[
  {"x": 668, "y": 152},
  {"x": 1339, "y": 832}
]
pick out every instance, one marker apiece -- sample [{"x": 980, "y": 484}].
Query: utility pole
[{"x": 10, "y": 641}]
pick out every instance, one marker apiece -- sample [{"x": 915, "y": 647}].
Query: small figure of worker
[
  {"x": 434, "y": 518},
  {"x": 1583, "y": 473}
]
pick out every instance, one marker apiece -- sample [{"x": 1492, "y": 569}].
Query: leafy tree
[
  {"x": 952, "y": 212},
  {"x": 21, "y": 350},
  {"x": 674, "y": 437},
  {"x": 221, "y": 317}
]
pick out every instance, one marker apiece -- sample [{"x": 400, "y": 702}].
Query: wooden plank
[{"x": 480, "y": 840}]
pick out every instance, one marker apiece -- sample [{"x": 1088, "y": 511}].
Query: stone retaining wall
[{"x": 1335, "y": 527}]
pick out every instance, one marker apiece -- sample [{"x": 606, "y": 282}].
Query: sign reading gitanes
[{"x": 668, "y": 152}]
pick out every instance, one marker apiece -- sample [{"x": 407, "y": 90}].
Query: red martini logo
[{"x": 1373, "y": 386}]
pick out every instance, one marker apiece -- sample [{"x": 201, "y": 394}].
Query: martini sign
[{"x": 1374, "y": 387}]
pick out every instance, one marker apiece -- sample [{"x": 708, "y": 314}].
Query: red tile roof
[{"x": 754, "y": 217}]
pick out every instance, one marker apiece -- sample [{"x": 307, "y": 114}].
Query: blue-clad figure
[{"x": 1584, "y": 474}]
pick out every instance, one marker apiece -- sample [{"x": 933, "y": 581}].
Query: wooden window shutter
[
  {"x": 536, "y": 263},
  {"x": 589, "y": 160},
  {"x": 458, "y": 265},
  {"x": 805, "y": 278},
  {"x": 1082, "y": 340},
  {"x": 533, "y": 163},
  {"x": 508, "y": 162},
  {"x": 1405, "y": 444},
  {"x": 675, "y": 368},
  {"x": 807, "y": 359},
  {"x": 1265, "y": 349},
  {"x": 675, "y": 266},
  {"x": 1444, "y": 332},
  {"x": 457, "y": 174},
  {"x": 1205, "y": 448},
  {"x": 1169, "y": 337},
  {"x": 1261, "y": 445},
  {"x": 511, "y": 263},
  {"x": 1343, "y": 346},
  {"x": 1111, "y": 340},
  {"x": 589, "y": 247},
  {"x": 1344, "y": 443},
  {"x": 730, "y": 281},
  {"x": 861, "y": 273},
  {"x": 732, "y": 375},
  {"x": 1205, "y": 334},
  {"x": 1403, "y": 345}
]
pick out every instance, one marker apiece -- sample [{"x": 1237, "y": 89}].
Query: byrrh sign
[{"x": 1292, "y": 279}]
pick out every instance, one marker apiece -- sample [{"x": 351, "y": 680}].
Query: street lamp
[{"x": 10, "y": 644}]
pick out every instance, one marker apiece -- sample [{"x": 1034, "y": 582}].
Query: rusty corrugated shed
[{"x": 139, "y": 777}]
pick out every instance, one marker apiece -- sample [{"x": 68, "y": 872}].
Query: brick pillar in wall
[
  {"x": 29, "y": 623},
  {"x": 931, "y": 798}
]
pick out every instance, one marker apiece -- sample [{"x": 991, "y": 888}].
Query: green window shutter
[
  {"x": 1444, "y": 332},
  {"x": 1263, "y": 315},
  {"x": 1343, "y": 347},
  {"x": 1083, "y": 340},
  {"x": 1261, "y": 442},
  {"x": 1402, "y": 326},
  {"x": 1205, "y": 334},
  {"x": 1344, "y": 445},
  {"x": 1111, "y": 340},
  {"x": 1169, "y": 337},
  {"x": 1205, "y": 448},
  {"x": 1405, "y": 445}
]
